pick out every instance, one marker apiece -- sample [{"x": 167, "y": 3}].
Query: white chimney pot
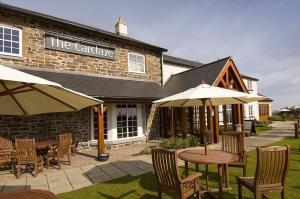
[{"x": 121, "y": 27}]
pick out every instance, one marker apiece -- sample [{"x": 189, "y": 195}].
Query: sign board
[{"x": 79, "y": 47}]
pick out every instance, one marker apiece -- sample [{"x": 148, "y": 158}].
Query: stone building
[
  {"x": 127, "y": 74},
  {"x": 123, "y": 72}
]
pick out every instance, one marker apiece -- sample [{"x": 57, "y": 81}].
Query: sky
[{"x": 262, "y": 36}]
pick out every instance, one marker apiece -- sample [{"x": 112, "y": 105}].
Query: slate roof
[
  {"x": 185, "y": 62},
  {"x": 266, "y": 99},
  {"x": 102, "y": 87},
  {"x": 248, "y": 77},
  {"x": 193, "y": 77},
  {"x": 69, "y": 23}
]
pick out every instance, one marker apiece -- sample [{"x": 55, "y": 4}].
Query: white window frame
[
  {"x": 250, "y": 110},
  {"x": 20, "y": 41},
  {"x": 127, "y": 133},
  {"x": 249, "y": 84},
  {"x": 138, "y": 54}
]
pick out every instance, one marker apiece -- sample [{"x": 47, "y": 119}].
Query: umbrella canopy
[
  {"x": 25, "y": 94},
  {"x": 285, "y": 110},
  {"x": 206, "y": 95}
]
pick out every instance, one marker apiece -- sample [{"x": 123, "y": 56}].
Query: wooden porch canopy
[{"x": 182, "y": 121}]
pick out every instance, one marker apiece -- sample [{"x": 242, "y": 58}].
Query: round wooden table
[
  {"x": 45, "y": 144},
  {"x": 212, "y": 157},
  {"x": 28, "y": 194}
]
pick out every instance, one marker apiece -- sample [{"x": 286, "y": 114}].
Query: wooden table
[
  {"x": 45, "y": 144},
  {"x": 212, "y": 157},
  {"x": 28, "y": 194}
]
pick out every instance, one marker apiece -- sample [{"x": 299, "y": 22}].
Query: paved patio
[{"x": 86, "y": 171}]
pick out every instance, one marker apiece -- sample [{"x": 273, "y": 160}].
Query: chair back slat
[
  {"x": 166, "y": 167},
  {"x": 25, "y": 149},
  {"x": 6, "y": 144},
  {"x": 64, "y": 143},
  {"x": 233, "y": 142},
  {"x": 272, "y": 165}
]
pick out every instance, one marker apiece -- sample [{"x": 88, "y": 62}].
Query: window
[
  {"x": 136, "y": 63},
  {"x": 10, "y": 41},
  {"x": 126, "y": 120},
  {"x": 249, "y": 84},
  {"x": 263, "y": 109},
  {"x": 250, "y": 109},
  {"x": 229, "y": 113}
]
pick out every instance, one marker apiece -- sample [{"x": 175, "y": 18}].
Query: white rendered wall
[
  {"x": 171, "y": 69},
  {"x": 255, "y": 107}
]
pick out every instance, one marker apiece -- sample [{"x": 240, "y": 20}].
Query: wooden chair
[
  {"x": 166, "y": 170},
  {"x": 26, "y": 155},
  {"x": 62, "y": 149},
  {"x": 271, "y": 171},
  {"x": 233, "y": 142},
  {"x": 6, "y": 152}
]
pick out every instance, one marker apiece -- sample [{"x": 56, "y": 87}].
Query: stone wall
[
  {"x": 153, "y": 123},
  {"x": 31, "y": 126},
  {"x": 35, "y": 54}
]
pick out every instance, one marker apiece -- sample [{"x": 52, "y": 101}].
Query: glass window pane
[
  {"x": 15, "y": 38},
  {"x": 7, "y": 43},
  {"x": 7, "y": 31},
  {"x": 15, "y": 32},
  {"x": 7, "y": 49},
  {"x": 1, "y": 48},
  {"x": 1, "y": 30},
  {"x": 15, "y": 45},
  {"x": 7, "y": 37},
  {"x": 15, "y": 50},
  {"x": 1, "y": 36}
]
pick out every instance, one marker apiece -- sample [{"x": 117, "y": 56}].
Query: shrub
[
  {"x": 179, "y": 143},
  {"x": 193, "y": 141},
  {"x": 276, "y": 118}
]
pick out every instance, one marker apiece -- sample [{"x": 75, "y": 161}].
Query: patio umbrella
[
  {"x": 25, "y": 94},
  {"x": 206, "y": 95},
  {"x": 285, "y": 110}
]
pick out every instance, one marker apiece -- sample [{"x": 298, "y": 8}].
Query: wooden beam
[
  {"x": 216, "y": 124},
  {"x": 202, "y": 122},
  {"x": 225, "y": 118},
  {"x": 172, "y": 129},
  {"x": 184, "y": 122},
  {"x": 101, "y": 146},
  {"x": 191, "y": 115},
  {"x": 210, "y": 118},
  {"x": 233, "y": 110}
]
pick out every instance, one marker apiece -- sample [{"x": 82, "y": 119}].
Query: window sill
[
  {"x": 12, "y": 57},
  {"x": 136, "y": 73}
]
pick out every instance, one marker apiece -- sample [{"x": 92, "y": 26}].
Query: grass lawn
[
  {"x": 144, "y": 186},
  {"x": 262, "y": 129}
]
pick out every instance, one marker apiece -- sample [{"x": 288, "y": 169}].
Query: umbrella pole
[{"x": 204, "y": 131}]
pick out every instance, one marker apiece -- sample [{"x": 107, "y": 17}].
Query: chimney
[{"x": 121, "y": 27}]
